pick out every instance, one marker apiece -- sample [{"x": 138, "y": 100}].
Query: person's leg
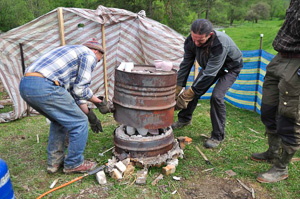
[
  {"x": 69, "y": 118},
  {"x": 269, "y": 107},
  {"x": 288, "y": 124},
  {"x": 59, "y": 106},
  {"x": 218, "y": 108},
  {"x": 56, "y": 147}
]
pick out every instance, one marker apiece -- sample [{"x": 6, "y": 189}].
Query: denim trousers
[{"x": 57, "y": 104}]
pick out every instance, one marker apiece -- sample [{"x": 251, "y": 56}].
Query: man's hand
[
  {"x": 178, "y": 89},
  {"x": 95, "y": 123},
  {"x": 104, "y": 106},
  {"x": 184, "y": 98}
]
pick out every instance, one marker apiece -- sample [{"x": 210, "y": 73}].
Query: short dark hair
[{"x": 202, "y": 26}]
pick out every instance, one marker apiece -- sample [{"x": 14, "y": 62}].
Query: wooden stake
[
  {"x": 61, "y": 26},
  {"x": 104, "y": 61},
  {"x": 196, "y": 69}
]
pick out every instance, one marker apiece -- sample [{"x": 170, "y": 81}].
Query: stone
[
  {"x": 101, "y": 177},
  {"x": 141, "y": 177},
  {"x": 173, "y": 162}
]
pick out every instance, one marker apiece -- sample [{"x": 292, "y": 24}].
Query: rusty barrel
[
  {"x": 147, "y": 146},
  {"x": 145, "y": 97}
]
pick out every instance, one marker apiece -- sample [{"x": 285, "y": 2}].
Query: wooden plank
[
  {"x": 196, "y": 69},
  {"x": 104, "y": 61},
  {"x": 61, "y": 26}
]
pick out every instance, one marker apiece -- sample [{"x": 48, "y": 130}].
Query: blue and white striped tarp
[{"x": 246, "y": 92}]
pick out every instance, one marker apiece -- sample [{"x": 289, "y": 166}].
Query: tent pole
[
  {"x": 61, "y": 26},
  {"x": 104, "y": 62},
  {"x": 23, "y": 70}
]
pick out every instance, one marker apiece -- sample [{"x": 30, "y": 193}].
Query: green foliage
[{"x": 178, "y": 14}]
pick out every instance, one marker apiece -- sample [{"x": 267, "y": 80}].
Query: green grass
[
  {"x": 26, "y": 158},
  {"x": 247, "y": 34}
]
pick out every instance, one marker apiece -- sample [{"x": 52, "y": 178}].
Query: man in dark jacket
[
  {"x": 280, "y": 109},
  {"x": 221, "y": 61}
]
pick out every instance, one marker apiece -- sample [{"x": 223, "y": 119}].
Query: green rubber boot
[
  {"x": 279, "y": 171},
  {"x": 272, "y": 154}
]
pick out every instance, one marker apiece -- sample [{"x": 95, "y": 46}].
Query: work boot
[
  {"x": 54, "y": 168},
  {"x": 212, "y": 143},
  {"x": 86, "y": 166},
  {"x": 178, "y": 124},
  {"x": 278, "y": 172},
  {"x": 272, "y": 154}
]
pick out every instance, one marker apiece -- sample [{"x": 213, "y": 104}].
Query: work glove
[
  {"x": 104, "y": 106},
  {"x": 184, "y": 98},
  {"x": 178, "y": 89},
  {"x": 95, "y": 123}
]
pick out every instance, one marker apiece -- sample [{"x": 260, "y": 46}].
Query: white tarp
[{"x": 129, "y": 37}]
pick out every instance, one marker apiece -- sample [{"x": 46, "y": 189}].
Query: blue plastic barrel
[{"x": 6, "y": 189}]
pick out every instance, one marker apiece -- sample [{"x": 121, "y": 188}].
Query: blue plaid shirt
[{"x": 71, "y": 66}]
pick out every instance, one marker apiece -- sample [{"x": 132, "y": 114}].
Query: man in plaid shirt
[
  {"x": 280, "y": 109},
  {"x": 57, "y": 86}
]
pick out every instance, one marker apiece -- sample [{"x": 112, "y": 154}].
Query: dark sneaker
[
  {"x": 179, "y": 124},
  {"x": 83, "y": 168},
  {"x": 212, "y": 143},
  {"x": 275, "y": 174},
  {"x": 54, "y": 168}
]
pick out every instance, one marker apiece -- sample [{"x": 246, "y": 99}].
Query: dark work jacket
[
  {"x": 288, "y": 37},
  {"x": 223, "y": 55}
]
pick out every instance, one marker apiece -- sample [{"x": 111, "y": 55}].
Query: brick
[
  {"x": 126, "y": 161},
  {"x": 116, "y": 174},
  {"x": 129, "y": 170},
  {"x": 182, "y": 145},
  {"x": 101, "y": 177},
  {"x": 120, "y": 166},
  {"x": 169, "y": 169},
  {"x": 187, "y": 140}
]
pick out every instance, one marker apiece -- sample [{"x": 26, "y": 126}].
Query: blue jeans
[{"x": 56, "y": 103}]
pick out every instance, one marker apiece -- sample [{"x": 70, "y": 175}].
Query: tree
[
  {"x": 236, "y": 10},
  {"x": 260, "y": 10},
  {"x": 13, "y": 13}
]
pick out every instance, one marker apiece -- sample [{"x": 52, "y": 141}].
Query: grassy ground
[
  {"x": 247, "y": 34},
  {"x": 26, "y": 161}
]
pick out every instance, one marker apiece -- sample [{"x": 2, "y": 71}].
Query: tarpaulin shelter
[{"x": 127, "y": 37}]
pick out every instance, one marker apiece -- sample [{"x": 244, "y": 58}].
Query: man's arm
[
  {"x": 215, "y": 62},
  {"x": 187, "y": 63}
]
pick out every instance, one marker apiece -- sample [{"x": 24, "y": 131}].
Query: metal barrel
[
  {"x": 143, "y": 146},
  {"x": 6, "y": 189},
  {"x": 145, "y": 97}
]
